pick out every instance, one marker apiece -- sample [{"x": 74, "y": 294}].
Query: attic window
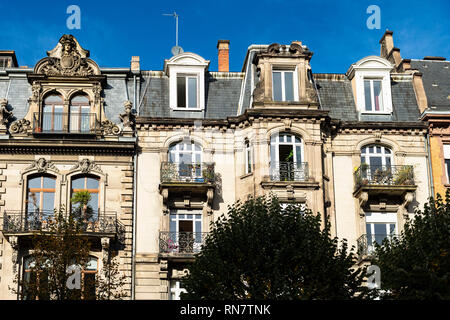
[
  {"x": 284, "y": 85},
  {"x": 373, "y": 97},
  {"x": 187, "y": 87}
]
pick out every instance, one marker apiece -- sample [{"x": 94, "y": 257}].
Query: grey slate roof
[
  {"x": 15, "y": 88},
  {"x": 436, "y": 82},
  {"x": 221, "y": 98},
  {"x": 335, "y": 92}
]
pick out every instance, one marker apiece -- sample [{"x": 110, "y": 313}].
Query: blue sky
[{"x": 335, "y": 31}]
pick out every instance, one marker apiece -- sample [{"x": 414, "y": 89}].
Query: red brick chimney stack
[{"x": 224, "y": 59}]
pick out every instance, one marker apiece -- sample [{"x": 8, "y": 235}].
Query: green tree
[
  {"x": 62, "y": 242},
  {"x": 262, "y": 251},
  {"x": 416, "y": 265}
]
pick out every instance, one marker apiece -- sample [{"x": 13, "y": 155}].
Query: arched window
[
  {"x": 187, "y": 159},
  {"x": 286, "y": 158},
  {"x": 248, "y": 157},
  {"x": 91, "y": 184},
  {"x": 80, "y": 114},
  {"x": 376, "y": 155},
  {"x": 41, "y": 193},
  {"x": 52, "y": 118}
]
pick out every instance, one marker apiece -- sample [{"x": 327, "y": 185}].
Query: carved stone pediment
[
  {"x": 68, "y": 58},
  {"x": 42, "y": 165},
  {"x": 86, "y": 166},
  {"x": 20, "y": 126},
  {"x": 109, "y": 128}
]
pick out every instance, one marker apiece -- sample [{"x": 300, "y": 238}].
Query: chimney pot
[
  {"x": 135, "y": 63},
  {"x": 223, "y": 47}
]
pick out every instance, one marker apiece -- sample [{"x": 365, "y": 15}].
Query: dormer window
[
  {"x": 186, "y": 72},
  {"x": 187, "y": 88},
  {"x": 284, "y": 85},
  {"x": 371, "y": 82},
  {"x": 373, "y": 97}
]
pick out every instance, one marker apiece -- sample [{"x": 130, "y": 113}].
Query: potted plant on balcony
[
  {"x": 404, "y": 176},
  {"x": 208, "y": 173},
  {"x": 361, "y": 174}
]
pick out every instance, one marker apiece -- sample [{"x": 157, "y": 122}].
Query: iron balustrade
[
  {"x": 384, "y": 175},
  {"x": 73, "y": 123},
  {"x": 289, "y": 171},
  {"x": 181, "y": 242},
  {"x": 187, "y": 172},
  {"x": 22, "y": 221},
  {"x": 366, "y": 243}
]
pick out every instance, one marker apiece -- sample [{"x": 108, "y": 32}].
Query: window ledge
[
  {"x": 187, "y": 109},
  {"x": 377, "y": 112},
  {"x": 246, "y": 175}
]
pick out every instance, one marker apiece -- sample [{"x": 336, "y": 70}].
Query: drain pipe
[
  {"x": 133, "y": 255},
  {"x": 430, "y": 169}
]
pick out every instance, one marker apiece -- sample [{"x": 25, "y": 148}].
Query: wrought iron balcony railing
[
  {"x": 22, "y": 221},
  {"x": 187, "y": 172},
  {"x": 384, "y": 175},
  {"x": 181, "y": 242},
  {"x": 289, "y": 171},
  {"x": 366, "y": 243},
  {"x": 71, "y": 123}
]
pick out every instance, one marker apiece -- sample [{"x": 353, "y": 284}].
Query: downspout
[
  {"x": 430, "y": 171},
  {"x": 134, "y": 221}
]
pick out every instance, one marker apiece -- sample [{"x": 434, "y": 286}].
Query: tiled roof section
[
  {"x": 436, "y": 82},
  {"x": 404, "y": 102},
  {"x": 221, "y": 101},
  {"x": 116, "y": 92},
  {"x": 336, "y": 95}
]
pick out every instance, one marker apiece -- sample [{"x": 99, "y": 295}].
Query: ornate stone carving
[
  {"x": 274, "y": 48},
  {"x": 105, "y": 248},
  {"x": 20, "y": 126},
  {"x": 86, "y": 166},
  {"x": 295, "y": 48},
  {"x": 127, "y": 117},
  {"x": 5, "y": 115},
  {"x": 42, "y": 165},
  {"x": 109, "y": 128},
  {"x": 68, "y": 58},
  {"x": 363, "y": 198}
]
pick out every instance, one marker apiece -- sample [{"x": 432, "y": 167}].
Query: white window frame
[
  {"x": 283, "y": 87},
  {"x": 372, "y": 96},
  {"x": 383, "y": 154},
  {"x": 277, "y": 142},
  {"x": 379, "y": 217},
  {"x": 181, "y": 215},
  {"x": 187, "y": 77}
]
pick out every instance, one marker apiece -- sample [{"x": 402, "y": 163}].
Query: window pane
[
  {"x": 48, "y": 201},
  {"x": 447, "y": 165},
  {"x": 277, "y": 94},
  {"x": 78, "y": 183},
  {"x": 173, "y": 224},
  {"x": 33, "y": 201},
  {"x": 377, "y": 95},
  {"x": 298, "y": 155},
  {"x": 94, "y": 203},
  {"x": 92, "y": 183},
  {"x": 80, "y": 99},
  {"x": 34, "y": 182},
  {"x": 181, "y": 92},
  {"x": 289, "y": 86},
  {"x": 92, "y": 264},
  {"x": 192, "y": 92},
  {"x": 367, "y": 96},
  {"x": 53, "y": 99},
  {"x": 58, "y": 118},
  {"x": 49, "y": 183}
]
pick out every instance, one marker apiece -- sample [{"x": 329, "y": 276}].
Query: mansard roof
[{"x": 436, "y": 82}]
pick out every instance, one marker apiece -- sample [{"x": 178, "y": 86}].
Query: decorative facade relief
[{"x": 42, "y": 165}]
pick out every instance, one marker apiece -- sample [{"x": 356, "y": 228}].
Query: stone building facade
[
  {"x": 61, "y": 132},
  {"x": 171, "y": 149}
]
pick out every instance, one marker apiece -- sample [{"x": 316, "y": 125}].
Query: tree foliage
[
  {"x": 262, "y": 251},
  {"x": 61, "y": 243},
  {"x": 416, "y": 265}
]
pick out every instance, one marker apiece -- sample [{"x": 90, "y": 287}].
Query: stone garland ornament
[
  {"x": 86, "y": 166},
  {"x": 109, "y": 128},
  {"x": 42, "y": 165},
  {"x": 20, "y": 126}
]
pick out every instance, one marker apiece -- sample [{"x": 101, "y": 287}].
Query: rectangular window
[
  {"x": 447, "y": 161},
  {"x": 187, "y": 88},
  {"x": 283, "y": 85},
  {"x": 373, "y": 95},
  {"x": 248, "y": 159},
  {"x": 379, "y": 226}
]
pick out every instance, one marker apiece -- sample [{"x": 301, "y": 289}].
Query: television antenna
[{"x": 177, "y": 49}]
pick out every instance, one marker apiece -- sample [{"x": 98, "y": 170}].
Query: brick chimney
[
  {"x": 224, "y": 60},
  {"x": 135, "y": 64}
]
